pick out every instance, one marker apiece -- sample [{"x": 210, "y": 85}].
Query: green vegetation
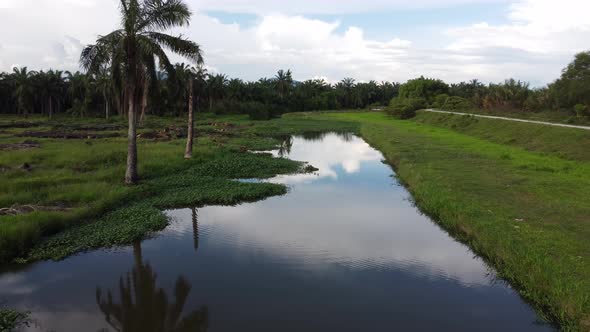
[
  {"x": 10, "y": 319},
  {"x": 74, "y": 182},
  {"x": 405, "y": 108},
  {"x": 517, "y": 203},
  {"x": 556, "y": 141}
]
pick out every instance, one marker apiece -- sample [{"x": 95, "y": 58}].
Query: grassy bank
[
  {"x": 75, "y": 186},
  {"x": 566, "y": 143},
  {"x": 522, "y": 205},
  {"x": 556, "y": 116}
]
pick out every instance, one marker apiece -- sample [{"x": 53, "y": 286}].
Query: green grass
[
  {"x": 10, "y": 319},
  {"x": 521, "y": 206},
  {"x": 557, "y": 116},
  {"x": 566, "y": 143},
  {"x": 86, "y": 177}
]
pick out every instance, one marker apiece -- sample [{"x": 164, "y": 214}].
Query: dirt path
[{"x": 511, "y": 119}]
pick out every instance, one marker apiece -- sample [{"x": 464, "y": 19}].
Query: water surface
[{"x": 344, "y": 250}]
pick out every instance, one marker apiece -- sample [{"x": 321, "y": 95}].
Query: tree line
[
  {"x": 570, "y": 93},
  {"x": 165, "y": 92}
]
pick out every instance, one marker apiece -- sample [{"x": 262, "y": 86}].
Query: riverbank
[{"x": 523, "y": 205}]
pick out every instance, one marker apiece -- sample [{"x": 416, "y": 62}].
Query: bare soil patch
[
  {"x": 24, "y": 209},
  {"x": 20, "y": 146},
  {"x": 67, "y": 135}
]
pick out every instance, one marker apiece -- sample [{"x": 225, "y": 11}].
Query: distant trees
[
  {"x": 105, "y": 92},
  {"x": 23, "y": 89},
  {"x": 423, "y": 88},
  {"x": 573, "y": 87}
]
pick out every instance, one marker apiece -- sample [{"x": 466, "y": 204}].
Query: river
[{"x": 344, "y": 250}]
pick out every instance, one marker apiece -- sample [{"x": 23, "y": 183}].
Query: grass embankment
[
  {"x": 516, "y": 193},
  {"x": 82, "y": 179},
  {"x": 556, "y": 116}
]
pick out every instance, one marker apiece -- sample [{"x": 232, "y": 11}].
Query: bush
[
  {"x": 226, "y": 107},
  {"x": 440, "y": 100},
  {"x": 256, "y": 110},
  {"x": 581, "y": 110},
  {"x": 405, "y": 108},
  {"x": 457, "y": 104}
]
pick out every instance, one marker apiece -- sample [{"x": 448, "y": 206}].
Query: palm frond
[
  {"x": 179, "y": 45},
  {"x": 101, "y": 53},
  {"x": 147, "y": 47},
  {"x": 161, "y": 15}
]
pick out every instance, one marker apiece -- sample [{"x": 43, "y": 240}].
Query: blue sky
[
  {"x": 392, "y": 40},
  {"x": 407, "y": 23}
]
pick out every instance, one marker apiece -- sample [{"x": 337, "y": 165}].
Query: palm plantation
[{"x": 132, "y": 51}]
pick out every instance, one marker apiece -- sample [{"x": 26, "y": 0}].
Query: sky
[{"x": 382, "y": 40}]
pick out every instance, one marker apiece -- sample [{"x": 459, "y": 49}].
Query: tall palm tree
[
  {"x": 283, "y": 82},
  {"x": 133, "y": 50},
  {"x": 196, "y": 81},
  {"x": 104, "y": 84},
  {"x": 24, "y": 89},
  {"x": 216, "y": 85},
  {"x": 55, "y": 90},
  {"x": 78, "y": 91}
]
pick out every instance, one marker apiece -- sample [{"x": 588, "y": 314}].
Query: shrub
[
  {"x": 256, "y": 110},
  {"x": 226, "y": 107},
  {"x": 581, "y": 110},
  {"x": 457, "y": 104},
  {"x": 405, "y": 108},
  {"x": 440, "y": 100},
  {"x": 422, "y": 87}
]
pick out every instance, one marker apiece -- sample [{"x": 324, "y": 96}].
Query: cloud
[
  {"x": 538, "y": 40},
  {"x": 264, "y": 7}
]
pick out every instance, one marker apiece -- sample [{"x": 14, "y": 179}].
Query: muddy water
[{"x": 345, "y": 250}]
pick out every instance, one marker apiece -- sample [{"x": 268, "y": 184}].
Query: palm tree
[
  {"x": 198, "y": 76},
  {"x": 235, "y": 89},
  {"x": 6, "y": 93},
  {"x": 78, "y": 91},
  {"x": 104, "y": 84},
  {"x": 216, "y": 87},
  {"x": 133, "y": 49},
  {"x": 54, "y": 90},
  {"x": 283, "y": 82},
  {"x": 24, "y": 89}
]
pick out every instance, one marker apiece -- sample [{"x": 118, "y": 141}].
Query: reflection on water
[
  {"x": 144, "y": 307},
  {"x": 345, "y": 250}
]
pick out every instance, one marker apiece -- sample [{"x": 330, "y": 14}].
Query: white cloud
[
  {"x": 539, "y": 39},
  {"x": 326, "y": 6}
]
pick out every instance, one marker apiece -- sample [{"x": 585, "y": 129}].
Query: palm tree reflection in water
[
  {"x": 144, "y": 307},
  {"x": 285, "y": 147}
]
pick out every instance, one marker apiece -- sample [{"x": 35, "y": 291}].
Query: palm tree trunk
[
  {"x": 210, "y": 104},
  {"x": 50, "y": 109},
  {"x": 131, "y": 175},
  {"x": 106, "y": 106},
  {"x": 188, "y": 154},
  {"x": 144, "y": 102}
]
